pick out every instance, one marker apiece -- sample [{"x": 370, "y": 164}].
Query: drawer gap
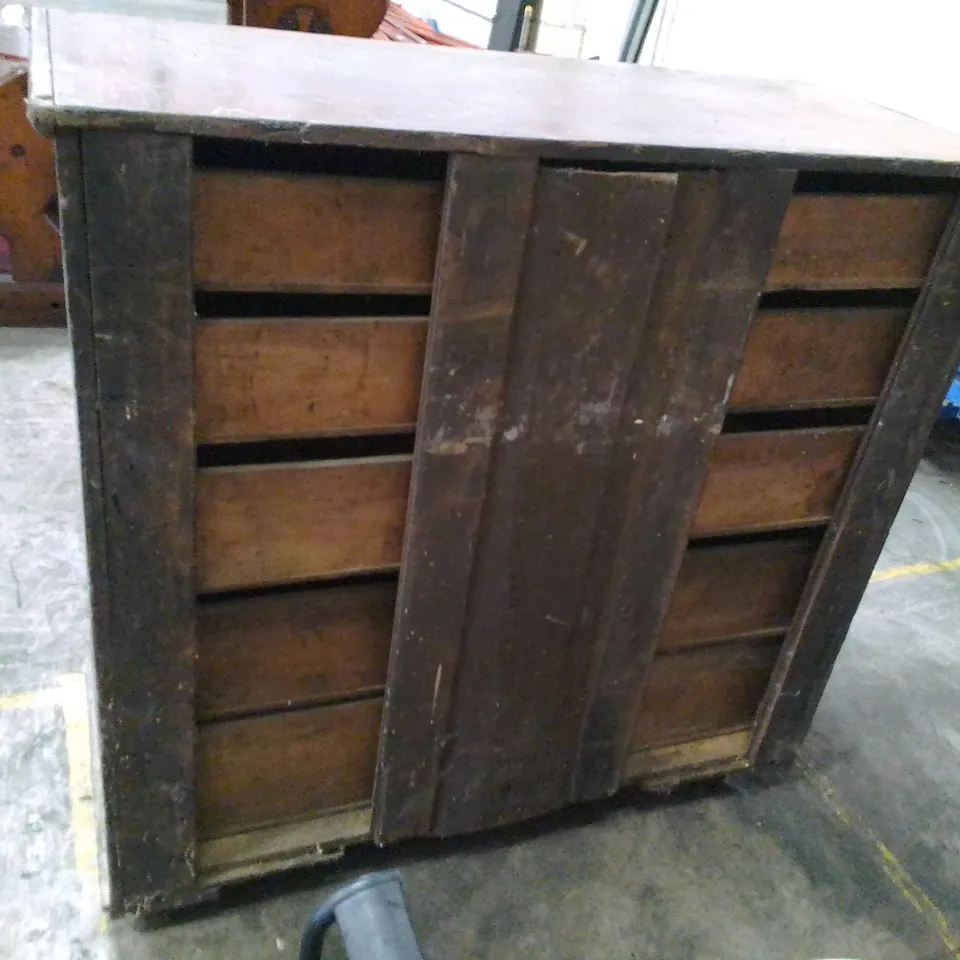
[
  {"x": 896, "y": 298},
  {"x": 801, "y": 419},
  {"x": 293, "y": 705},
  {"x": 832, "y": 181},
  {"x": 305, "y": 450},
  {"x": 239, "y": 304},
  {"x": 305, "y": 587},
  {"x": 212, "y": 153}
]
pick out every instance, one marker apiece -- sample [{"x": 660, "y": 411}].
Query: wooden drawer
[
  {"x": 264, "y": 379},
  {"x": 737, "y": 590},
  {"x": 701, "y": 693},
  {"x": 774, "y": 479},
  {"x": 846, "y": 241},
  {"x": 296, "y": 648},
  {"x": 816, "y": 358},
  {"x": 294, "y": 232},
  {"x": 265, "y": 770},
  {"x": 276, "y": 524}
]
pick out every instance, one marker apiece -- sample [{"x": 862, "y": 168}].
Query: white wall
[
  {"x": 902, "y": 55},
  {"x": 468, "y": 20}
]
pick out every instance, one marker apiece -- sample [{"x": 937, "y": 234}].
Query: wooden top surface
[{"x": 104, "y": 71}]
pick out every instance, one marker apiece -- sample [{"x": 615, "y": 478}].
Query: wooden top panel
[{"x": 99, "y": 70}]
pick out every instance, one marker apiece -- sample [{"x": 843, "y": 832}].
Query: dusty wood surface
[
  {"x": 733, "y": 590},
  {"x": 888, "y": 457},
  {"x": 844, "y": 242},
  {"x": 144, "y": 642},
  {"x": 265, "y": 770},
  {"x": 479, "y": 264},
  {"x": 729, "y": 748},
  {"x": 98, "y": 69},
  {"x": 817, "y": 357},
  {"x": 292, "y": 649},
  {"x": 32, "y": 305},
  {"x": 268, "y": 231},
  {"x": 286, "y": 523},
  {"x": 775, "y": 479},
  {"x": 266, "y": 379},
  {"x": 699, "y": 693}
]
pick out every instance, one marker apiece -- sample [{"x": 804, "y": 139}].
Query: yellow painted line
[
  {"x": 915, "y": 570},
  {"x": 70, "y": 696},
  {"x": 909, "y": 889},
  {"x": 73, "y": 691}
]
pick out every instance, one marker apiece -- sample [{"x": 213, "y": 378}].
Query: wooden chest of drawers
[{"x": 453, "y": 455}]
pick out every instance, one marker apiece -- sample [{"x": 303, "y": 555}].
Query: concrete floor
[{"x": 856, "y": 854}]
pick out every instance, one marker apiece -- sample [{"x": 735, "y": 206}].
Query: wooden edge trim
[
  {"x": 40, "y": 74},
  {"x": 696, "y": 758},
  {"x": 935, "y": 297},
  {"x": 251, "y": 854}
]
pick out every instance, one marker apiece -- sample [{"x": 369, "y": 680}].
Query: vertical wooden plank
[
  {"x": 526, "y": 651},
  {"x": 716, "y": 260},
  {"x": 478, "y": 269},
  {"x": 137, "y": 203},
  {"x": 875, "y": 488}
]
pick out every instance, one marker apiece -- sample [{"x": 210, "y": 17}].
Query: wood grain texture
[
  {"x": 702, "y": 755},
  {"x": 775, "y": 479},
  {"x": 332, "y": 90},
  {"x": 32, "y": 305},
  {"x": 887, "y": 460},
  {"x": 816, "y": 358},
  {"x": 478, "y": 270},
  {"x": 716, "y": 258},
  {"x": 142, "y": 312},
  {"x": 272, "y": 231},
  {"x": 733, "y": 590},
  {"x": 851, "y": 241},
  {"x": 28, "y": 186},
  {"x": 267, "y": 770},
  {"x": 274, "y": 524},
  {"x": 267, "y": 379},
  {"x": 292, "y": 649},
  {"x": 700, "y": 693}
]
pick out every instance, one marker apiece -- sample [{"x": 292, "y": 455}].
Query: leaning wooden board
[{"x": 442, "y": 474}]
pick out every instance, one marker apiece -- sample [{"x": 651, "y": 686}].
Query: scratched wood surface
[{"x": 318, "y": 89}]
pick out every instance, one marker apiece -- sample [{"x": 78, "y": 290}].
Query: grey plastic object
[{"x": 372, "y": 917}]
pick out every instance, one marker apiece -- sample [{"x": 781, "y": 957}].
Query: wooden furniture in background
[{"x": 446, "y": 467}]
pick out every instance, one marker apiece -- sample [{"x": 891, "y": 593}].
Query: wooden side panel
[
  {"x": 32, "y": 305},
  {"x": 715, "y": 261},
  {"x": 136, "y": 195},
  {"x": 266, "y": 770},
  {"x": 700, "y": 758},
  {"x": 813, "y": 358},
  {"x": 266, "y": 379},
  {"x": 775, "y": 479},
  {"x": 702, "y": 693},
  {"x": 29, "y": 189},
  {"x": 886, "y": 463},
  {"x": 295, "y": 648},
  {"x": 271, "y": 231},
  {"x": 277, "y": 524},
  {"x": 858, "y": 241},
  {"x": 733, "y": 590},
  {"x": 478, "y": 270}
]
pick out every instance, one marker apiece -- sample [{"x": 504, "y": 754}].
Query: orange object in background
[{"x": 347, "y": 18}]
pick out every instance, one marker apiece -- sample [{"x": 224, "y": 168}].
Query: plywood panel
[
  {"x": 294, "y": 648},
  {"x": 293, "y": 522},
  {"x": 271, "y": 231},
  {"x": 839, "y": 241},
  {"x": 814, "y": 358},
  {"x": 265, "y": 379},
  {"x": 700, "y": 693},
  {"x": 732, "y": 590},
  {"x": 265, "y": 770},
  {"x": 769, "y": 480}
]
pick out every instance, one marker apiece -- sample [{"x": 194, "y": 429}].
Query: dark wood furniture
[{"x": 451, "y": 455}]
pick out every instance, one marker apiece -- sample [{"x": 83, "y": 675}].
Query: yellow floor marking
[
  {"x": 909, "y": 889},
  {"x": 73, "y": 692},
  {"x": 915, "y": 570},
  {"x": 70, "y": 695}
]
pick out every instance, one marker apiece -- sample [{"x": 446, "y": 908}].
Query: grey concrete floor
[{"x": 855, "y": 854}]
